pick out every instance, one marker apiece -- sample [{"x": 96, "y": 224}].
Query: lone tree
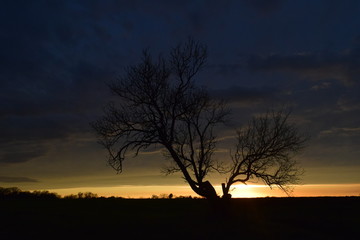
[
  {"x": 160, "y": 105},
  {"x": 265, "y": 150}
]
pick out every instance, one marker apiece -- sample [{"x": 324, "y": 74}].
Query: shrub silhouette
[{"x": 82, "y": 195}]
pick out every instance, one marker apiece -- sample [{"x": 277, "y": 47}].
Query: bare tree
[
  {"x": 265, "y": 150},
  {"x": 159, "y": 105}
]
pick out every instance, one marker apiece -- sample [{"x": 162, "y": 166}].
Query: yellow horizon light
[{"x": 238, "y": 191}]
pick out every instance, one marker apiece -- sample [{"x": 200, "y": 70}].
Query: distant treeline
[{"x": 16, "y": 193}]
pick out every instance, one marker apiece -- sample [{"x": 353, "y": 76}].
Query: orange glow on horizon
[{"x": 238, "y": 191}]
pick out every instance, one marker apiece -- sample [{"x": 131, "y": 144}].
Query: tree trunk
[
  {"x": 207, "y": 190},
  {"x": 225, "y": 190},
  {"x": 204, "y": 189}
]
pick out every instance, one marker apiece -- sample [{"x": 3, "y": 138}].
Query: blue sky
[{"x": 57, "y": 55}]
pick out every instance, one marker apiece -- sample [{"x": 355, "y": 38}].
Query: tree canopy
[{"x": 265, "y": 150}]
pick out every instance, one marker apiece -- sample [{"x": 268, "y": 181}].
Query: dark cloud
[
  {"x": 225, "y": 70},
  {"x": 341, "y": 132},
  {"x": 244, "y": 95},
  {"x": 19, "y": 152},
  {"x": 5, "y": 179},
  {"x": 327, "y": 97},
  {"x": 265, "y": 6},
  {"x": 45, "y": 127},
  {"x": 343, "y": 66}
]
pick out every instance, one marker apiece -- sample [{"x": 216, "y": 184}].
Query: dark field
[{"x": 262, "y": 218}]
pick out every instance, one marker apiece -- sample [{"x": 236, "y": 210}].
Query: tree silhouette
[
  {"x": 265, "y": 150},
  {"x": 16, "y": 193},
  {"x": 159, "y": 104}
]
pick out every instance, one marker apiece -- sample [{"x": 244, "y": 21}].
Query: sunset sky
[{"x": 56, "y": 57}]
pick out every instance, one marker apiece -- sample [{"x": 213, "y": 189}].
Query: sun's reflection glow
[{"x": 248, "y": 191}]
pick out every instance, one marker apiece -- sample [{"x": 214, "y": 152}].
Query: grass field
[{"x": 259, "y": 218}]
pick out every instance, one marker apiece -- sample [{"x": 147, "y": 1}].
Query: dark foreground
[{"x": 263, "y": 218}]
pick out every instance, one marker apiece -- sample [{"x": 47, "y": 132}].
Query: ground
[{"x": 258, "y": 218}]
